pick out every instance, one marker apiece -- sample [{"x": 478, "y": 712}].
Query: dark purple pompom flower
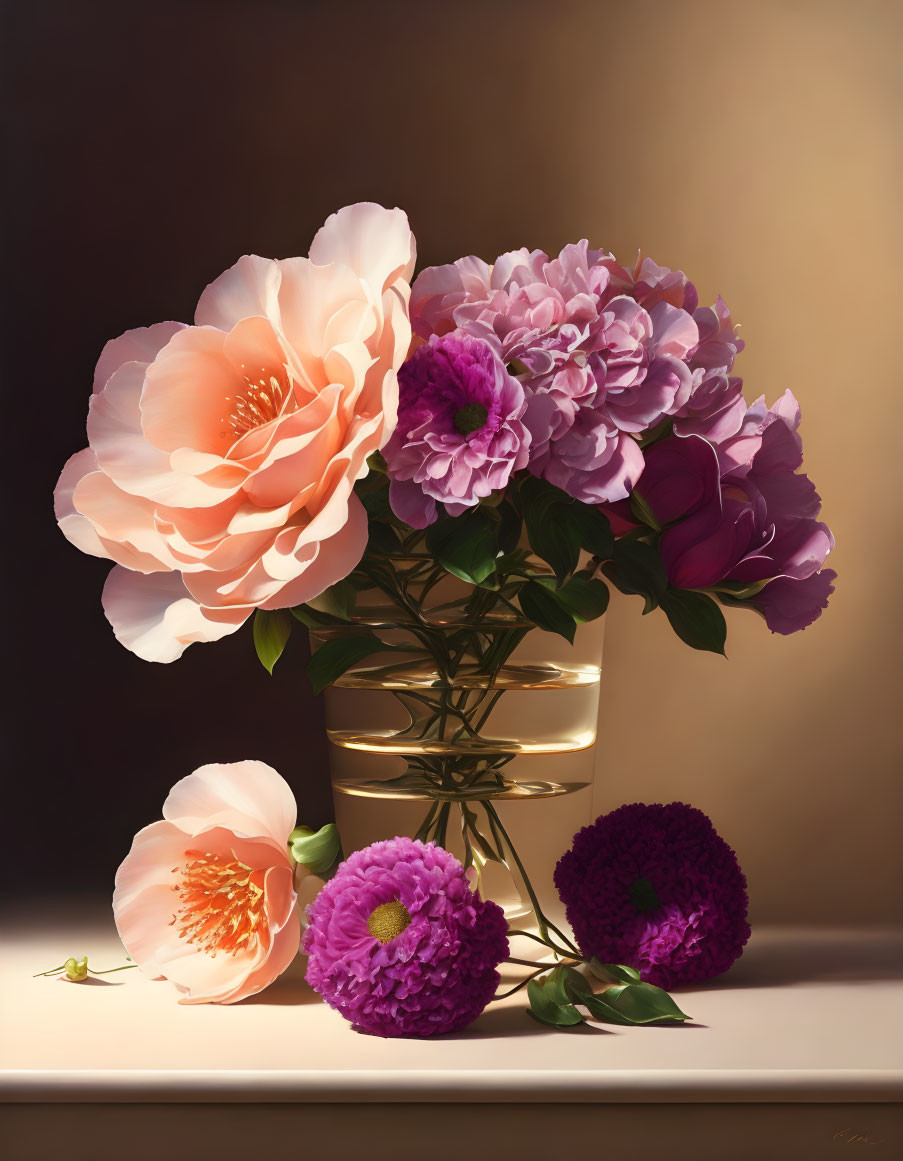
[
  {"x": 656, "y": 888},
  {"x": 400, "y": 945}
]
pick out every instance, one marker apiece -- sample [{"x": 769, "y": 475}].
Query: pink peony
[
  {"x": 607, "y": 354},
  {"x": 223, "y": 455},
  {"x": 205, "y": 899}
]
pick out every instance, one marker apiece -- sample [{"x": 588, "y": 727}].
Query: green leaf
[
  {"x": 383, "y": 540},
  {"x": 465, "y": 545},
  {"x": 510, "y": 526},
  {"x": 595, "y": 531},
  {"x": 613, "y": 973},
  {"x": 641, "y": 510},
  {"x": 373, "y": 492},
  {"x": 632, "y": 1002},
  {"x": 696, "y": 619},
  {"x": 637, "y": 569},
  {"x": 639, "y": 1003},
  {"x": 584, "y": 599},
  {"x": 335, "y": 657},
  {"x": 271, "y": 631},
  {"x": 542, "y": 608},
  {"x": 316, "y": 850},
  {"x": 740, "y": 590},
  {"x": 313, "y": 619},
  {"x": 549, "y": 1001},
  {"x": 337, "y": 601},
  {"x": 552, "y": 529}
]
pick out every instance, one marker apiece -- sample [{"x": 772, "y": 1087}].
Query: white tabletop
[{"x": 812, "y": 1015}]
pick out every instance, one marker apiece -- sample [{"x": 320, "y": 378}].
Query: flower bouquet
[{"x": 422, "y": 475}]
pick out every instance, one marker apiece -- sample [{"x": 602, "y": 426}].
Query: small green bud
[
  {"x": 319, "y": 851},
  {"x": 76, "y": 970}
]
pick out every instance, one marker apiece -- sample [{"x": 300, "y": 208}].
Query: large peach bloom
[
  {"x": 206, "y": 899},
  {"x": 223, "y": 455}
]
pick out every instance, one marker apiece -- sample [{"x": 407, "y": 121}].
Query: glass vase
[{"x": 473, "y": 729}]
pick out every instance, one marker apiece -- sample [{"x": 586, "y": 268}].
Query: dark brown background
[{"x": 755, "y": 145}]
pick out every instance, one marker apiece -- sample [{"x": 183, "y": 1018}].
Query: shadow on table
[
  {"x": 770, "y": 961},
  {"x": 504, "y": 1021},
  {"x": 287, "y": 990}
]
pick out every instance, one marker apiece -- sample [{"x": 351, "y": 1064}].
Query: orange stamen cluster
[
  {"x": 220, "y": 903},
  {"x": 260, "y": 403}
]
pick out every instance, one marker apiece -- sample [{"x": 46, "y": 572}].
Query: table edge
[{"x": 410, "y": 1086}]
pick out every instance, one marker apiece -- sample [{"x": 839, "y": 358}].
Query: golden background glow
[{"x": 755, "y": 145}]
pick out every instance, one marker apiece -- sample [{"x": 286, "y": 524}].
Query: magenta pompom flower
[
  {"x": 400, "y": 945},
  {"x": 459, "y": 434},
  {"x": 656, "y": 887}
]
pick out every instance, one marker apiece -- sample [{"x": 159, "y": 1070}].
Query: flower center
[
  {"x": 388, "y": 921},
  {"x": 220, "y": 903},
  {"x": 643, "y": 896},
  {"x": 259, "y": 403},
  {"x": 470, "y": 418}
]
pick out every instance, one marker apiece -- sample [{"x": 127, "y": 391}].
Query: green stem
[
  {"x": 545, "y": 925},
  {"x": 522, "y": 984}
]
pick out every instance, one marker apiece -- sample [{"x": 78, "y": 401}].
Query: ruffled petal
[
  {"x": 140, "y": 345},
  {"x": 248, "y": 797},
  {"x": 155, "y": 617},
  {"x": 248, "y": 288},
  {"x": 376, "y": 243},
  {"x": 77, "y": 528}
]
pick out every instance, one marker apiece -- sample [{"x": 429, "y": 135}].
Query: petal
[
  {"x": 248, "y": 288},
  {"x": 140, "y": 345},
  {"x": 135, "y": 464},
  {"x": 312, "y": 296},
  {"x": 249, "y": 798},
  {"x": 696, "y": 555},
  {"x": 790, "y": 605},
  {"x": 787, "y": 494},
  {"x": 124, "y": 523},
  {"x": 77, "y": 528},
  {"x": 154, "y": 616},
  {"x": 673, "y": 330},
  {"x": 376, "y": 243},
  {"x": 188, "y": 391},
  {"x": 680, "y": 477},
  {"x": 143, "y": 899},
  {"x": 335, "y": 559},
  {"x": 411, "y": 504}
]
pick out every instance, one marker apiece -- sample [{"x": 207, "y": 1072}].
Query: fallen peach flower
[{"x": 205, "y": 898}]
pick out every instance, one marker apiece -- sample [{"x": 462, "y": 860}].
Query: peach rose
[
  {"x": 223, "y": 455},
  {"x": 206, "y": 898}
]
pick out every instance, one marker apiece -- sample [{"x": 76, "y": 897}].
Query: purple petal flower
[
  {"x": 789, "y": 605},
  {"x": 761, "y": 522},
  {"x": 656, "y": 888},
  {"x": 680, "y": 477},
  {"x": 460, "y": 433},
  {"x": 400, "y": 945}
]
